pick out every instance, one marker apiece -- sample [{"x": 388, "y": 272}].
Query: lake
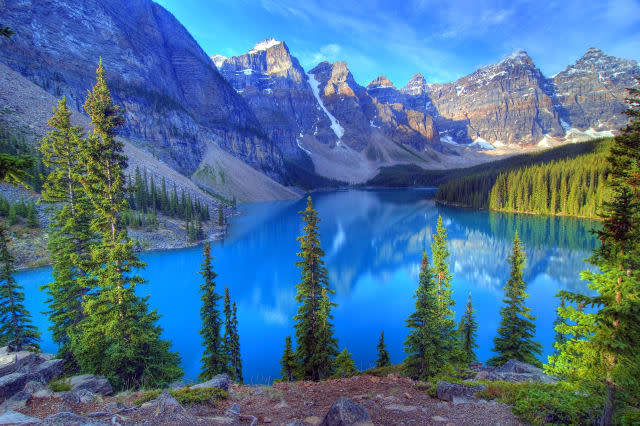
[{"x": 373, "y": 240}]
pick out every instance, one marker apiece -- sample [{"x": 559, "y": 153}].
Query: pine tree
[
  {"x": 228, "y": 333},
  {"x": 344, "y": 365},
  {"x": 32, "y": 218},
  {"x": 70, "y": 236},
  {"x": 442, "y": 276},
  {"x": 13, "y": 215},
  {"x": 220, "y": 215},
  {"x": 119, "y": 338},
  {"x": 213, "y": 360},
  {"x": 468, "y": 332},
  {"x": 601, "y": 353},
  {"x": 560, "y": 338},
  {"x": 316, "y": 346},
  {"x": 517, "y": 329},
  {"x": 16, "y": 330},
  {"x": 6, "y": 31},
  {"x": 424, "y": 347},
  {"x": 383, "y": 356},
  {"x": 288, "y": 361},
  {"x": 236, "y": 359}
]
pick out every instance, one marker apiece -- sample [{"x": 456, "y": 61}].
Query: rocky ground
[{"x": 31, "y": 392}]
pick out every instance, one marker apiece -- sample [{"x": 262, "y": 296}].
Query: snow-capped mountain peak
[{"x": 264, "y": 45}]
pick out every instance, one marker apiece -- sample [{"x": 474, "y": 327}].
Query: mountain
[
  {"x": 177, "y": 105},
  {"x": 323, "y": 119},
  {"x": 591, "y": 91},
  {"x": 513, "y": 103}
]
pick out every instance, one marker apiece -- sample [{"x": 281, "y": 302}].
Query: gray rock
[
  {"x": 114, "y": 407},
  {"x": 447, "y": 391},
  {"x": 234, "y": 410},
  {"x": 49, "y": 370},
  {"x": 13, "y": 362},
  {"x": 70, "y": 419},
  {"x": 16, "y": 402},
  {"x": 296, "y": 422},
  {"x": 514, "y": 366},
  {"x": 14, "y": 383},
  {"x": 80, "y": 396},
  {"x": 4, "y": 350},
  {"x": 221, "y": 381},
  {"x": 96, "y": 384},
  {"x": 400, "y": 407},
  {"x": 33, "y": 387},
  {"x": 345, "y": 412},
  {"x": 166, "y": 408},
  {"x": 178, "y": 384},
  {"x": 15, "y": 418}
]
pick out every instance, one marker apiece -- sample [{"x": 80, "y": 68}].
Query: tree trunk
[{"x": 607, "y": 414}]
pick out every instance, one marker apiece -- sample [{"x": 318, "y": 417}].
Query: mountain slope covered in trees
[{"x": 523, "y": 177}]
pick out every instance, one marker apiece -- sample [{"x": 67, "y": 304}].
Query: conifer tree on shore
[
  {"x": 601, "y": 353},
  {"x": 344, "y": 365},
  {"x": 383, "y": 356},
  {"x": 213, "y": 359},
  {"x": 442, "y": 277},
  {"x": 119, "y": 337},
  {"x": 236, "y": 359},
  {"x": 468, "y": 332},
  {"x": 316, "y": 345},
  {"x": 228, "y": 332},
  {"x": 16, "y": 329},
  {"x": 517, "y": 329},
  {"x": 70, "y": 236},
  {"x": 288, "y": 361},
  {"x": 424, "y": 349}
]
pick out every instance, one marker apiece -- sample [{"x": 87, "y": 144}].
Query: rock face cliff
[
  {"x": 175, "y": 101},
  {"x": 513, "y": 103},
  {"x": 591, "y": 92}
]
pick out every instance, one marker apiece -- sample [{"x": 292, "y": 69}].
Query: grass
[
  {"x": 542, "y": 403},
  {"x": 60, "y": 385},
  {"x": 186, "y": 396}
]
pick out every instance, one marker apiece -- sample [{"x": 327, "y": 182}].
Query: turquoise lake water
[{"x": 373, "y": 241}]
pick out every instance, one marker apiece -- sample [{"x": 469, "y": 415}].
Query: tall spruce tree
[
  {"x": 424, "y": 347},
  {"x": 316, "y": 345},
  {"x": 70, "y": 234},
  {"x": 236, "y": 359},
  {"x": 468, "y": 330},
  {"x": 288, "y": 361},
  {"x": 228, "y": 332},
  {"x": 16, "y": 329},
  {"x": 517, "y": 329},
  {"x": 383, "y": 356},
  {"x": 442, "y": 277},
  {"x": 213, "y": 359},
  {"x": 119, "y": 337},
  {"x": 601, "y": 353}
]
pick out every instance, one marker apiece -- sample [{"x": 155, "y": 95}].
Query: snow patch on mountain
[
  {"x": 482, "y": 144},
  {"x": 335, "y": 126},
  {"x": 264, "y": 45},
  {"x": 218, "y": 60}
]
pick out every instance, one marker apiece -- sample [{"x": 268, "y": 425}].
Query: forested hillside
[
  {"x": 571, "y": 187},
  {"x": 571, "y": 174}
]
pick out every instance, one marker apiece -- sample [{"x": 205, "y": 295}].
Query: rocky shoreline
[{"x": 34, "y": 391}]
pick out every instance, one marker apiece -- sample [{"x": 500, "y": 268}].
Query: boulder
[
  {"x": 14, "y": 383},
  {"x": 448, "y": 391},
  {"x": 221, "y": 381},
  {"x": 96, "y": 384},
  {"x": 15, "y": 418},
  {"x": 234, "y": 410},
  {"x": 49, "y": 370},
  {"x": 166, "y": 409},
  {"x": 33, "y": 387},
  {"x": 345, "y": 412},
  {"x": 13, "y": 362},
  {"x": 515, "y": 366},
  {"x": 80, "y": 396},
  {"x": 70, "y": 419},
  {"x": 17, "y": 402}
]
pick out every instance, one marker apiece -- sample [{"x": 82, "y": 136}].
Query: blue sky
[{"x": 443, "y": 40}]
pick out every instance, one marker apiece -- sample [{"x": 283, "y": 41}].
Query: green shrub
[
  {"x": 190, "y": 396},
  {"x": 147, "y": 396},
  {"x": 60, "y": 385},
  {"x": 541, "y": 403},
  {"x": 630, "y": 416}
]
